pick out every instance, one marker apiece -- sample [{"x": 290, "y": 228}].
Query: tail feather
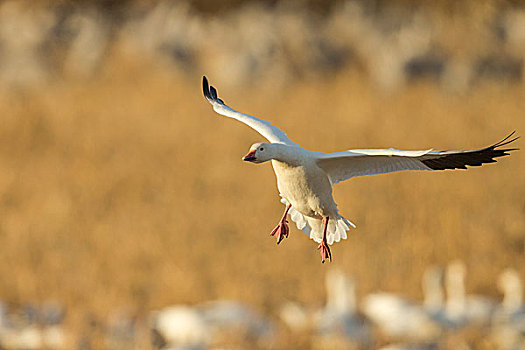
[{"x": 314, "y": 228}]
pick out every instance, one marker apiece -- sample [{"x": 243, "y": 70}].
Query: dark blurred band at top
[{"x": 454, "y": 44}]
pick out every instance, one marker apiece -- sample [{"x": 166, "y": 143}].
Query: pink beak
[{"x": 250, "y": 157}]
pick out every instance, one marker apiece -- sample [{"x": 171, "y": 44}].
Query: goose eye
[{"x": 261, "y": 149}]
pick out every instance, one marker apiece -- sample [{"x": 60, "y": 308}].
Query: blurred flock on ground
[{"x": 125, "y": 205}]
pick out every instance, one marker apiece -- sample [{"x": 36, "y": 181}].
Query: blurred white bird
[
  {"x": 233, "y": 317},
  {"x": 508, "y": 324},
  {"x": 181, "y": 327},
  {"x": 400, "y": 318},
  {"x": 305, "y": 178},
  {"x": 296, "y": 317},
  {"x": 434, "y": 298},
  {"x": 338, "y": 324},
  {"x": 463, "y": 309},
  {"x": 510, "y": 283},
  {"x": 340, "y": 319},
  {"x": 185, "y": 327},
  {"x": 432, "y": 285}
]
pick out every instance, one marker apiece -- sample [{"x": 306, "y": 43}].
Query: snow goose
[
  {"x": 339, "y": 321},
  {"x": 512, "y": 309},
  {"x": 229, "y": 317},
  {"x": 202, "y": 326},
  {"x": 295, "y": 316},
  {"x": 399, "y": 317},
  {"x": 508, "y": 328},
  {"x": 338, "y": 324},
  {"x": 180, "y": 327},
  {"x": 434, "y": 297},
  {"x": 305, "y": 178},
  {"x": 509, "y": 282},
  {"x": 463, "y": 309},
  {"x": 432, "y": 285}
]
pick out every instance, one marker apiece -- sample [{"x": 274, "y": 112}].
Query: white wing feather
[
  {"x": 314, "y": 229},
  {"x": 263, "y": 127},
  {"x": 341, "y": 166}
]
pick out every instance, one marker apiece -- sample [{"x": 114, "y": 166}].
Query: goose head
[{"x": 260, "y": 152}]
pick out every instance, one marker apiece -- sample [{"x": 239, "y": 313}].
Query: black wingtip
[
  {"x": 506, "y": 140},
  {"x": 472, "y": 158},
  {"x": 210, "y": 92},
  {"x": 205, "y": 87},
  {"x": 213, "y": 93}
]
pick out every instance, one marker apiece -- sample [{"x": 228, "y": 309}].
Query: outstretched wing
[
  {"x": 341, "y": 166},
  {"x": 266, "y": 129}
]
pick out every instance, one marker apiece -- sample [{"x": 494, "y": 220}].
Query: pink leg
[
  {"x": 326, "y": 254},
  {"x": 282, "y": 229}
]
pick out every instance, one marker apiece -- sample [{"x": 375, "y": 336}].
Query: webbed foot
[
  {"x": 281, "y": 231},
  {"x": 326, "y": 254}
]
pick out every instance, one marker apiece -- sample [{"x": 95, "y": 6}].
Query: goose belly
[{"x": 307, "y": 190}]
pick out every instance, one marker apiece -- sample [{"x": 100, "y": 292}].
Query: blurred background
[{"x": 129, "y": 221}]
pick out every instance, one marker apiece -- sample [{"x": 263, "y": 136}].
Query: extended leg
[
  {"x": 326, "y": 254},
  {"x": 282, "y": 229}
]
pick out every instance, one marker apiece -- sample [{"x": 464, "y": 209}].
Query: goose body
[
  {"x": 304, "y": 184},
  {"x": 306, "y": 187},
  {"x": 305, "y": 178}
]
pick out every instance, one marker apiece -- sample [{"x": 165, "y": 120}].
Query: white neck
[
  {"x": 340, "y": 292},
  {"x": 456, "y": 299},
  {"x": 290, "y": 155},
  {"x": 510, "y": 283},
  {"x": 432, "y": 289}
]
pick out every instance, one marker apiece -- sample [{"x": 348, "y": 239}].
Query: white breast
[{"x": 307, "y": 188}]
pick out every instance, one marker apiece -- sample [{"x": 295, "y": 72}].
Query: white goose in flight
[{"x": 305, "y": 178}]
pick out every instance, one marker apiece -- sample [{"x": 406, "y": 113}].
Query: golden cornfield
[{"x": 127, "y": 192}]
